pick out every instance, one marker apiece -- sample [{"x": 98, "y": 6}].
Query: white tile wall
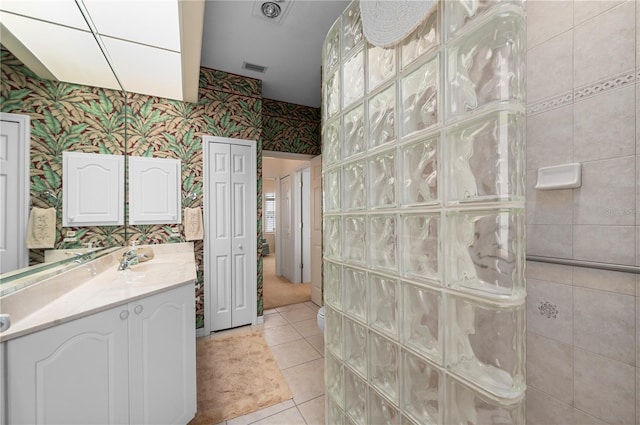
[{"x": 583, "y": 91}]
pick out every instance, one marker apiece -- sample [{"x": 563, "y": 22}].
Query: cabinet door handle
[
  {"x": 124, "y": 314},
  {"x": 239, "y": 246},
  {"x": 138, "y": 309}
]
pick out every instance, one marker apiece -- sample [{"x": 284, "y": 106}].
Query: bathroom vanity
[{"x": 99, "y": 345}]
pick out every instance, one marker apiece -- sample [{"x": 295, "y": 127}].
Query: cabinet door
[
  {"x": 154, "y": 190},
  {"x": 162, "y": 358},
  {"x": 3, "y": 385},
  {"x": 93, "y": 189},
  {"x": 74, "y": 373}
]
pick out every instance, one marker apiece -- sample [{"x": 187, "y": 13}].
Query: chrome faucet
[
  {"x": 127, "y": 258},
  {"x": 135, "y": 255}
]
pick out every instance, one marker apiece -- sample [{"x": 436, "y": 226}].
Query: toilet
[{"x": 321, "y": 319}]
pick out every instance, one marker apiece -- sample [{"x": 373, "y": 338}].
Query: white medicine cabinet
[
  {"x": 92, "y": 189},
  {"x": 154, "y": 190}
]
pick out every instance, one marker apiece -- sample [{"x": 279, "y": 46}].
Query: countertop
[{"x": 96, "y": 286}]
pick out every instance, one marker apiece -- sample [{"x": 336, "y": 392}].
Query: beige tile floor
[{"x": 297, "y": 345}]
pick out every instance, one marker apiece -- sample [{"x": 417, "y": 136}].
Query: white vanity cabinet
[
  {"x": 129, "y": 364},
  {"x": 3, "y": 390}
]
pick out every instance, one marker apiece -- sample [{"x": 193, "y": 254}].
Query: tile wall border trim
[{"x": 589, "y": 90}]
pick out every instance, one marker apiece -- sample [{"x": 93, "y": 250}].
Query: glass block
[
  {"x": 485, "y": 253},
  {"x": 332, "y": 96},
  {"x": 383, "y": 365},
  {"x": 485, "y": 345},
  {"x": 424, "y": 39},
  {"x": 331, "y": 48},
  {"x": 331, "y": 142},
  {"x": 355, "y": 294},
  {"x": 383, "y": 242},
  {"x": 486, "y": 66},
  {"x": 381, "y": 65},
  {"x": 353, "y": 140},
  {"x": 384, "y": 302},
  {"x": 355, "y": 239},
  {"x": 332, "y": 236},
  {"x": 351, "y": 28},
  {"x": 421, "y": 246},
  {"x": 353, "y": 79},
  {"x": 420, "y": 172},
  {"x": 334, "y": 414},
  {"x": 355, "y": 398},
  {"x": 419, "y": 91},
  {"x": 486, "y": 159},
  {"x": 333, "y": 284},
  {"x": 407, "y": 421},
  {"x": 468, "y": 407},
  {"x": 332, "y": 190},
  {"x": 334, "y": 379},
  {"x": 382, "y": 117},
  {"x": 354, "y": 194},
  {"x": 381, "y": 412},
  {"x": 333, "y": 331},
  {"x": 421, "y": 323},
  {"x": 421, "y": 392},
  {"x": 382, "y": 180},
  {"x": 458, "y": 14},
  {"x": 355, "y": 346}
]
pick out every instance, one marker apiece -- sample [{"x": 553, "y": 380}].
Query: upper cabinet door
[
  {"x": 154, "y": 191},
  {"x": 92, "y": 189}
]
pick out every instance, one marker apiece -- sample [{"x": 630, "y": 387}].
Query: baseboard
[
  {"x": 200, "y": 332},
  {"x": 260, "y": 320}
]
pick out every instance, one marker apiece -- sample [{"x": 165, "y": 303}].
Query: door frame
[
  {"x": 283, "y": 155},
  {"x": 252, "y": 208},
  {"x": 24, "y": 186}
]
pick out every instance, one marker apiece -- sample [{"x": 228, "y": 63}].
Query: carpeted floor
[
  {"x": 279, "y": 291},
  {"x": 236, "y": 374}
]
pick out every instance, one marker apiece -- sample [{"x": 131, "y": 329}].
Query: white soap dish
[{"x": 566, "y": 176}]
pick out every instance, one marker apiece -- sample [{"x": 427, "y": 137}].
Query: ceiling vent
[{"x": 254, "y": 67}]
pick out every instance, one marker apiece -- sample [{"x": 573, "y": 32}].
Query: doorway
[{"x": 286, "y": 250}]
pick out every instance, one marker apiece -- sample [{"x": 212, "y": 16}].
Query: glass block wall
[{"x": 423, "y": 150}]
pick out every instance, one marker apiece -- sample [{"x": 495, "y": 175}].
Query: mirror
[{"x": 63, "y": 117}]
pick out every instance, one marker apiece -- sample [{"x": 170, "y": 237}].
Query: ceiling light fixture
[{"x": 271, "y": 9}]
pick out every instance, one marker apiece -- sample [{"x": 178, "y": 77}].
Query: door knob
[{"x": 239, "y": 246}]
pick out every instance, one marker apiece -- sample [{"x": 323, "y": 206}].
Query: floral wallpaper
[
  {"x": 94, "y": 120},
  {"x": 290, "y": 128}
]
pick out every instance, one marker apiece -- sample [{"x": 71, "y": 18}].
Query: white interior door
[
  {"x": 219, "y": 236},
  {"x": 242, "y": 249},
  {"x": 230, "y": 226},
  {"x": 287, "y": 232},
  {"x": 316, "y": 229},
  {"x": 306, "y": 228},
  {"x": 14, "y": 191}
]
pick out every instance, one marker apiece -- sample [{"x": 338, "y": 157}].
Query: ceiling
[
  {"x": 156, "y": 47},
  {"x": 290, "y": 47}
]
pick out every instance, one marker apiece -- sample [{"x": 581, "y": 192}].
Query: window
[{"x": 269, "y": 219}]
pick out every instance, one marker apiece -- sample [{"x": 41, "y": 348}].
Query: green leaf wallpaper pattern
[
  {"x": 290, "y": 128},
  {"x": 89, "y": 119}
]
